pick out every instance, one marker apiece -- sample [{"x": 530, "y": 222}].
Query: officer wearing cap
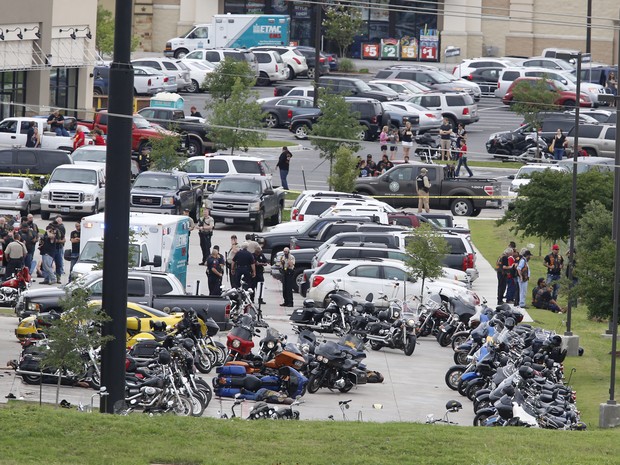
[
  {"x": 244, "y": 265},
  {"x": 423, "y": 187}
]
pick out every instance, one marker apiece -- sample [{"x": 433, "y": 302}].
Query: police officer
[
  {"x": 243, "y": 265},
  {"x": 215, "y": 272},
  {"x": 259, "y": 280},
  {"x": 287, "y": 264}
]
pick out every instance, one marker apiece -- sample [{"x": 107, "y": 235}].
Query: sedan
[
  {"x": 198, "y": 72},
  {"x": 403, "y": 87},
  {"x": 149, "y": 81},
  {"x": 428, "y": 119},
  {"x": 280, "y": 110},
  {"x": 19, "y": 193}
]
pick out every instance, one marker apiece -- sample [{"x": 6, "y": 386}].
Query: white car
[
  {"x": 313, "y": 207},
  {"x": 171, "y": 68},
  {"x": 148, "y": 81},
  {"x": 294, "y": 60},
  {"x": 198, "y": 72},
  {"x": 301, "y": 91},
  {"x": 524, "y": 176},
  {"x": 271, "y": 68},
  {"x": 429, "y": 119},
  {"x": 378, "y": 276},
  {"x": 403, "y": 87},
  {"x": 466, "y": 67}
]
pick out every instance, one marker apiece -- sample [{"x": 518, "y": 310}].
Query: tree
[
  {"x": 345, "y": 171},
  {"x": 76, "y": 331},
  {"x": 230, "y": 117},
  {"x": 595, "y": 260},
  {"x": 342, "y": 24},
  {"x": 426, "y": 249},
  {"x": 164, "y": 153},
  {"x": 543, "y": 206},
  {"x": 530, "y": 98},
  {"x": 104, "y": 40},
  {"x": 220, "y": 82},
  {"x": 337, "y": 127}
]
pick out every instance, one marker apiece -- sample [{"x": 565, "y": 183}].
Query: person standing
[
  {"x": 284, "y": 163},
  {"x": 393, "y": 142},
  {"x": 215, "y": 272},
  {"x": 259, "y": 280},
  {"x": 383, "y": 140},
  {"x": 144, "y": 158},
  {"x": 559, "y": 145},
  {"x": 511, "y": 277},
  {"x": 61, "y": 234},
  {"x": 554, "y": 262},
  {"x": 423, "y": 187},
  {"x": 79, "y": 139},
  {"x": 463, "y": 159},
  {"x": 195, "y": 113},
  {"x": 244, "y": 265},
  {"x": 30, "y": 135},
  {"x": 461, "y": 134},
  {"x": 98, "y": 137},
  {"x": 612, "y": 85},
  {"x": 523, "y": 272},
  {"x": 206, "y": 224},
  {"x": 35, "y": 230},
  {"x": 445, "y": 138},
  {"x": 407, "y": 135},
  {"x": 500, "y": 267},
  {"x": 191, "y": 227},
  {"x": 29, "y": 239},
  {"x": 47, "y": 248},
  {"x": 287, "y": 265},
  {"x": 74, "y": 238},
  {"x": 229, "y": 258},
  {"x": 15, "y": 254}
]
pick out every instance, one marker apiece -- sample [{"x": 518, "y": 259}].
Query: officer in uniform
[
  {"x": 287, "y": 264},
  {"x": 259, "y": 280},
  {"x": 215, "y": 272},
  {"x": 243, "y": 265}
]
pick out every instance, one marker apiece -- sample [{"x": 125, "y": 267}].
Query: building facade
[{"x": 47, "y": 53}]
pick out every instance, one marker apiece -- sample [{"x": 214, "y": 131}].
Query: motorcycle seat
[{"x": 348, "y": 364}]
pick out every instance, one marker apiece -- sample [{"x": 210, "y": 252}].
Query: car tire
[
  {"x": 45, "y": 215},
  {"x": 363, "y": 134},
  {"x": 194, "y": 87},
  {"x": 591, "y": 152},
  {"x": 291, "y": 73},
  {"x": 26, "y": 211},
  {"x": 462, "y": 207},
  {"x": 453, "y": 121},
  {"x": 272, "y": 120},
  {"x": 263, "y": 80},
  {"x": 298, "y": 275},
  {"x": 277, "y": 218},
  {"x": 301, "y": 132},
  {"x": 180, "y": 53},
  {"x": 97, "y": 91},
  {"x": 476, "y": 212},
  {"x": 310, "y": 73},
  {"x": 259, "y": 224},
  {"x": 194, "y": 148},
  {"x": 569, "y": 104},
  {"x": 96, "y": 207}
]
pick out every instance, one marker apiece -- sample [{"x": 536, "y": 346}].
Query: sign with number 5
[{"x": 370, "y": 51}]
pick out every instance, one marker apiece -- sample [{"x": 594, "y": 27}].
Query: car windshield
[
  {"x": 415, "y": 87},
  {"x": 156, "y": 181},
  {"x": 10, "y": 182},
  {"x": 88, "y": 154},
  {"x": 141, "y": 122},
  {"x": 238, "y": 186},
  {"x": 361, "y": 85},
  {"x": 93, "y": 253},
  {"x": 438, "y": 77},
  {"x": 83, "y": 176},
  {"x": 527, "y": 171}
]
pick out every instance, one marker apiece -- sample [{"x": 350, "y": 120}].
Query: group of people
[
  {"x": 368, "y": 168},
  {"x": 56, "y": 122},
  {"x": 513, "y": 275}
]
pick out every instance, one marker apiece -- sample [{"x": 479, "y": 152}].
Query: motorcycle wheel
[
  {"x": 473, "y": 388},
  {"x": 348, "y": 386},
  {"x": 203, "y": 363},
  {"x": 374, "y": 345},
  {"x": 204, "y": 387},
  {"x": 461, "y": 387},
  {"x": 95, "y": 381},
  {"x": 221, "y": 354},
  {"x": 459, "y": 338},
  {"x": 444, "y": 339},
  {"x": 481, "y": 418},
  {"x": 453, "y": 376},
  {"x": 460, "y": 358},
  {"x": 31, "y": 379},
  {"x": 425, "y": 330},
  {"x": 198, "y": 404},
  {"x": 314, "y": 383},
  {"x": 410, "y": 347},
  {"x": 481, "y": 405},
  {"x": 181, "y": 406}
]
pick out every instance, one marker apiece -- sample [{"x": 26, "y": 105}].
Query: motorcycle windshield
[
  {"x": 341, "y": 300},
  {"x": 241, "y": 332},
  {"x": 352, "y": 342},
  {"x": 330, "y": 350}
]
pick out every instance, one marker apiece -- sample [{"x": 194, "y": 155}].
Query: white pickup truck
[{"x": 13, "y": 132}]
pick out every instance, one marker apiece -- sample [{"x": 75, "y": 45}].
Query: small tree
[
  {"x": 230, "y": 117},
  {"x": 164, "y": 153},
  {"x": 76, "y": 331},
  {"x": 221, "y": 82},
  {"x": 104, "y": 37},
  {"x": 345, "y": 171},
  {"x": 426, "y": 249},
  {"x": 595, "y": 265},
  {"x": 530, "y": 98},
  {"x": 342, "y": 24},
  {"x": 337, "y": 127}
]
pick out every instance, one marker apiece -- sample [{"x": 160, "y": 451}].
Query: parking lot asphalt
[{"x": 413, "y": 387}]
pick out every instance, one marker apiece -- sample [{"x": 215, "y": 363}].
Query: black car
[
  {"x": 32, "y": 161},
  {"x": 353, "y": 87},
  {"x": 372, "y": 118},
  {"x": 310, "y": 54},
  {"x": 486, "y": 78},
  {"x": 168, "y": 192}
]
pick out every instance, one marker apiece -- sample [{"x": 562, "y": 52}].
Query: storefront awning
[{"x": 65, "y": 52}]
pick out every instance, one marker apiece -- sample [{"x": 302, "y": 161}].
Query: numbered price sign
[
  {"x": 428, "y": 52},
  {"x": 389, "y": 49},
  {"x": 409, "y": 52},
  {"x": 370, "y": 51}
]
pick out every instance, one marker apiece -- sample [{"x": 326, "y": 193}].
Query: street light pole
[{"x": 589, "y": 27}]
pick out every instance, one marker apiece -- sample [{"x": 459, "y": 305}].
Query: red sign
[
  {"x": 370, "y": 51},
  {"x": 428, "y": 53}
]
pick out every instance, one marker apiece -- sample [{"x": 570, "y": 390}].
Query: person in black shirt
[
  {"x": 47, "y": 248},
  {"x": 445, "y": 134},
  {"x": 215, "y": 272},
  {"x": 284, "y": 163},
  {"x": 75, "y": 246},
  {"x": 30, "y": 240},
  {"x": 371, "y": 166},
  {"x": 559, "y": 145},
  {"x": 244, "y": 265},
  {"x": 61, "y": 234},
  {"x": 195, "y": 113},
  {"x": 57, "y": 124},
  {"x": 30, "y": 142},
  {"x": 261, "y": 263}
]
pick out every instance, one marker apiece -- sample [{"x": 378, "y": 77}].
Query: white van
[{"x": 207, "y": 171}]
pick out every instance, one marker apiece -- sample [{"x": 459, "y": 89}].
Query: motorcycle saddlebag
[
  {"x": 302, "y": 314},
  {"x": 145, "y": 349},
  {"x": 231, "y": 370}
]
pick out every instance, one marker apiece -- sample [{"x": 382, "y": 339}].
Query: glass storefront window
[
  {"x": 63, "y": 88},
  {"x": 12, "y": 90}
]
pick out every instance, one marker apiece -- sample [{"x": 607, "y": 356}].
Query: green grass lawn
[
  {"x": 33, "y": 435},
  {"x": 271, "y": 143},
  {"x": 488, "y": 164},
  {"x": 591, "y": 378}
]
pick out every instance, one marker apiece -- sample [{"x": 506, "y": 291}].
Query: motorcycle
[
  {"x": 511, "y": 145},
  {"x": 12, "y": 288},
  {"x": 431, "y": 316},
  {"x": 390, "y": 329},
  {"x": 335, "y": 318},
  {"x": 462, "y": 312},
  {"x": 241, "y": 304}
]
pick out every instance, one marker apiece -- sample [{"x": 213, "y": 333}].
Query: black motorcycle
[
  {"x": 335, "y": 318},
  {"x": 390, "y": 329}
]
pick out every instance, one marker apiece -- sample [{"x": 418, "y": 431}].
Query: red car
[{"x": 566, "y": 98}]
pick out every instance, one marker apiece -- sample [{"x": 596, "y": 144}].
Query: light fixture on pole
[
  {"x": 20, "y": 36},
  {"x": 88, "y": 33},
  {"x": 72, "y": 35},
  {"x": 37, "y": 33}
]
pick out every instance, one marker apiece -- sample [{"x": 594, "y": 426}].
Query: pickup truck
[
  {"x": 195, "y": 129},
  {"x": 154, "y": 289},
  {"x": 142, "y": 131},
  {"x": 246, "y": 199},
  {"x": 13, "y": 132},
  {"x": 165, "y": 192},
  {"x": 465, "y": 196}
]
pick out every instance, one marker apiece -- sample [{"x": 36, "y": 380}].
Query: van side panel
[{"x": 175, "y": 249}]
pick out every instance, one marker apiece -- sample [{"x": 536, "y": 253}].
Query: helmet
[
  {"x": 188, "y": 344},
  {"x": 175, "y": 310},
  {"x": 158, "y": 325},
  {"x": 164, "y": 357},
  {"x": 453, "y": 405}
]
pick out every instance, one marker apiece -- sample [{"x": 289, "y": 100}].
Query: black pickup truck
[
  {"x": 465, "y": 196},
  {"x": 151, "y": 288},
  {"x": 166, "y": 192},
  {"x": 246, "y": 199},
  {"x": 198, "y": 141}
]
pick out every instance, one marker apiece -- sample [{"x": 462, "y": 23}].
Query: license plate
[
  {"x": 228, "y": 220},
  {"x": 65, "y": 209},
  {"x": 5, "y": 196}
]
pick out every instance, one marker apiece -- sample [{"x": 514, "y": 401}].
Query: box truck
[
  {"x": 232, "y": 31},
  {"x": 157, "y": 242}
]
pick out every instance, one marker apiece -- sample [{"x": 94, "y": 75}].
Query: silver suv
[
  {"x": 458, "y": 107},
  {"x": 596, "y": 140}
]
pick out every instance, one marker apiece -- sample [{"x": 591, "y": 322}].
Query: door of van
[
  {"x": 9, "y": 130},
  {"x": 198, "y": 38}
]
